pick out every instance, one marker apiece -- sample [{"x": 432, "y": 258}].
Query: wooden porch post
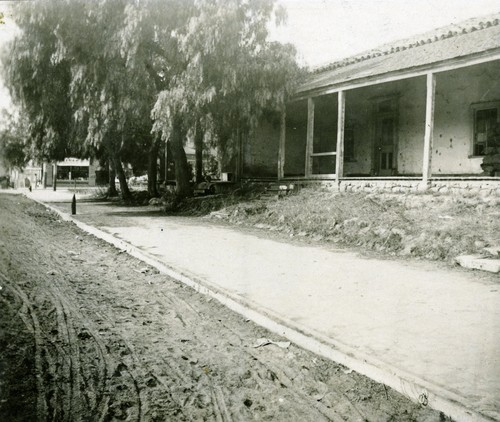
[
  {"x": 281, "y": 153},
  {"x": 429, "y": 129},
  {"x": 310, "y": 136},
  {"x": 339, "y": 158}
]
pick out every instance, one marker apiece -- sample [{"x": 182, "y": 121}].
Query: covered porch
[{"x": 435, "y": 124}]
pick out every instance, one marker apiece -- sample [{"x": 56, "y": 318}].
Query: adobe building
[{"x": 418, "y": 113}]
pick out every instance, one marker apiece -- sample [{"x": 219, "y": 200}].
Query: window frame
[
  {"x": 311, "y": 154},
  {"x": 475, "y": 107}
]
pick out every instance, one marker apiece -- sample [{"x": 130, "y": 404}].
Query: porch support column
[
  {"x": 310, "y": 136},
  {"x": 339, "y": 158},
  {"x": 429, "y": 129}
]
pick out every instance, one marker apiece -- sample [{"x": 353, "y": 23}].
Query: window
[
  {"x": 485, "y": 123},
  {"x": 324, "y": 147}
]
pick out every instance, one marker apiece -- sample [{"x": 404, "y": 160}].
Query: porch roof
[{"x": 469, "y": 39}]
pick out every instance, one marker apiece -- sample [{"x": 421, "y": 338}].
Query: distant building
[
  {"x": 69, "y": 172},
  {"x": 75, "y": 171},
  {"x": 31, "y": 175}
]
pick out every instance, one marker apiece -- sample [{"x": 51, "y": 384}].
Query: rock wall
[{"x": 471, "y": 187}]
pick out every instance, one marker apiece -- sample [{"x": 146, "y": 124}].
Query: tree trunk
[
  {"x": 168, "y": 160},
  {"x": 198, "y": 145},
  {"x": 183, "y": 187},
  {"x": 239, "y": 154},
  {"x": 126, "y": 195},
  {"x": 112, "y": 176},
  {"x": 162, "y": 174},
  {"x": 153, "y": 168}
]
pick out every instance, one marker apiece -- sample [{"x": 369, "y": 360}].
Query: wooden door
[{"x": 385, "y": 154}]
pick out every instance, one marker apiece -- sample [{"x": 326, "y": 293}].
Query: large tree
[
  {"x": 15, "y": 148},
  {"x": 39, "y": 82},
  {"x": 106, "y": 95},
  {"x": 44, "y": 71},
  {"x": 233, "y": 75},
  {"x": 150, "y": 47},
  {"x": 88, "y": 73},
  {"x": 93, "y": 75}
]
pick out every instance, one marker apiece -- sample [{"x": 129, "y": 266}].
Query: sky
[
  {"x": 327, "y": 30},
  {"x": 7, "y": 31}
]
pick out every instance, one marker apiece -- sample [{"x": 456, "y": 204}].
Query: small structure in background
[
  {"x": 75, "y": 172},
  {"x": 71, "y": 172},
  {"x": 30, "y": 176}
]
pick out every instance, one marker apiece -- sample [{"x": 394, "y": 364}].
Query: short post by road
[
  {"x": 73, "y": 205},
  {"x": 54, "y": 172}
]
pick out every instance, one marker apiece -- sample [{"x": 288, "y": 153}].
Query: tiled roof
[{"x": 460, "y": 40}]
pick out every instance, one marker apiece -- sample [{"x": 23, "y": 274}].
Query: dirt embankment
[
  {"x": 429, "y": 226},
  {"x": 89, "y": 333}
]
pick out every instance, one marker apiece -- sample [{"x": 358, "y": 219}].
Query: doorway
[{"x": 386, "y": 129}]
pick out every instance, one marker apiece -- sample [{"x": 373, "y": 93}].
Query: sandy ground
[{"x": 89, "y": 333}]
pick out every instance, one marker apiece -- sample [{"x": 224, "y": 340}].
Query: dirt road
[{"x": 88, "y": 333}]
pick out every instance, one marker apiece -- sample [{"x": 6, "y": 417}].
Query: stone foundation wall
[{"x": 470, "y": 187}]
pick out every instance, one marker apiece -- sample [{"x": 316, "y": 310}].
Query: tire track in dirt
[
  {"x": 192, "y": 317},
  {"x": 72, "y": 399},
  {"x": 121, "y": 369},
  {"x": 278, "y": 371},
  {"x": 130, "y": 366},
  {"x": 30, "y": 320},
  {"x": 90, "y": 378},
  {"x": 118, "y": 341},
  {"x": 218, "y": 394},
  {"x": 180, "y": 310},
  {"x": 98, "y": 380},
  {"x": 69, "y": 312},
  {"x": 60, "y": 380}
]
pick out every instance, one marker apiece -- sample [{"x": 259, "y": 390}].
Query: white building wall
[
  {"x": 453, "y": 126},
  {"x": 453, "y": 120}
]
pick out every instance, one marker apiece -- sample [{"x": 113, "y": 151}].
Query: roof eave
[{"x": 435, "y": 67}]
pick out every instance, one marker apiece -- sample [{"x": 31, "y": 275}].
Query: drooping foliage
[
  {"x": 116, "y": 77},
  {"x": 14, "y": 146},
  {"x": 150, "y": 48},
  {"x": 233, "y": 73},
  {"x": 39, "y": 80}
]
